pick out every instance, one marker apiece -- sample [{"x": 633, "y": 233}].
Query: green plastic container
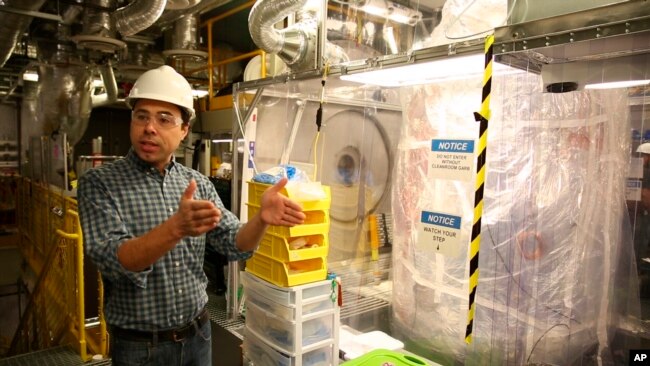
[{"x": 384, "y": 357}]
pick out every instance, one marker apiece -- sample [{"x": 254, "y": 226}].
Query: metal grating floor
[
  {"x": 217, "y": 310},
  {"x": 56, "y": 356}
]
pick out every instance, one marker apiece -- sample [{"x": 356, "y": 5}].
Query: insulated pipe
[
  {"x": 110, "y": 85},
  {"x": 264, "y": 15},
  {"x": 170, "y": 16},
  {"x": 138, "y": 15},
  {"x": 71, "y": 14},
  {"x": 12, "y": 26},
  {"x": 294, "y": 44},
  {"x": 185, "y": 34},
  {"x": 97, "y": 19}
]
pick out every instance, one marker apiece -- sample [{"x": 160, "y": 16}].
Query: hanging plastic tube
[{"x": 284, "y": 160}]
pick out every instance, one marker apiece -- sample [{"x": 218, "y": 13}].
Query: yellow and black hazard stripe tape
[{"x": 482, "y": 117}]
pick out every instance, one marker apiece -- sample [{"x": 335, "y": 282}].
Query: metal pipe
[
  {"x": 97, "y": 19},
  {"x": 110, "y": 85},
  {"x": 138, "y": 15},
  {"x": 31, "y": 13},
  {"x": 12, "y": 26},
  {"x": 185, "y": 34}
]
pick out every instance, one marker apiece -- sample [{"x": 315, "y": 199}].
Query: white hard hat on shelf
[
  {"x": 644, "y": 148},
  {"x": 164, "y": 84}
]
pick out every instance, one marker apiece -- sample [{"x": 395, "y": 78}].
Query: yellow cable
[{"x": 315, "y": 155}]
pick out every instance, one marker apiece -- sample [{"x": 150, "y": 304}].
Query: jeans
[{"x": 192, "y": 351}]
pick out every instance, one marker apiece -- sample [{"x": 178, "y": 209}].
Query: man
[
  {"x": 146, "y": 220},
  {"x": 644, "y": 153}
]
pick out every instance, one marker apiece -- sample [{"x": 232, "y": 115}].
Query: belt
[{"x": 173, "y": 335}]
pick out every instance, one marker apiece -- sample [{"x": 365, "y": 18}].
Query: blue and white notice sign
[
  {"x": 633, "y": 190},
  {"x": 439, "y": 233},
  {"x": 452, "y": 159}
]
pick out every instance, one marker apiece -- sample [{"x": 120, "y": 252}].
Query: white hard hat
[
  {"x": 644, "y": 148},
  {"x": 164, "y": 84}
]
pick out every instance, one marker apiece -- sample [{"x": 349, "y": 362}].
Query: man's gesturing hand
[
  {"x": 278, "y": 209},
  {"x": 195, "y": 217}
]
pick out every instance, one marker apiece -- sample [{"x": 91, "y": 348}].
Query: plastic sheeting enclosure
[{"x": 553, "y": 258}]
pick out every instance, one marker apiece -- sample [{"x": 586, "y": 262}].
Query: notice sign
[
  {"x": 452, "y": 160},
  {"x": 439, "y": 232},
  {"x": 633, "y": 190}
]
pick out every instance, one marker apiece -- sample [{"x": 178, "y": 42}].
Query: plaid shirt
[{"x": 126, "y": 199}]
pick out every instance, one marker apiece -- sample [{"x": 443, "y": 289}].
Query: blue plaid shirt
[{"x": 126, "y": 199}]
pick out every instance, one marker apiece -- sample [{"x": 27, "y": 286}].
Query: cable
[
  {"x": 319, "y": 117},
  {"x": 519, "y": 284},
  {"x": 314, "y": 147},
  {"x": 542, "y": 336}
]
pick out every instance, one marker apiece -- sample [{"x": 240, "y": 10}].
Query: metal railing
[
  {"x": 51, "y": 242},
  {"x": 218, "y": 68}
]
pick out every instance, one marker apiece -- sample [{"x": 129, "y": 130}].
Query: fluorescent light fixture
[
  {"x": 198, "y": 93},
  {"x": 446, "y": 69},
  {"x": 30, "y": 76},
  {"x": 618, "y": 84},
  {"x": 617, "y": 72},
  {"x": 217, "y": 141}
]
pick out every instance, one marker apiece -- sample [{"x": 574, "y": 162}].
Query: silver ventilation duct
[
  {"x": 71, "y": 14},
  {"x": 296, "y": 44},
  {"x": 138, "y": 15},
  {"x": 98, "y": 28},
  {"x": 261, "y": 20},
  {"x": 169, "y": 17},
  {"x": 185, "y": 34},
  {"x": 12, "y": 26},
  {"x": 97, "y": 19},
  {"x": 185, "y": 40},
  {"x": 138, "y": 56},
  {"x": 181, "y": 4}
]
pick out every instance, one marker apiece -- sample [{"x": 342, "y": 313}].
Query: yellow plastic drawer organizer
[
  {"x": 297, "y": 255},
  {"x": 292, "y": 326}
]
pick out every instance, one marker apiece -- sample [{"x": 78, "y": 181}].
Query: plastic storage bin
[
  {"x": 289, "y": 273},
  {"x": 288, "y": 296},
  {"x": 285, "y": 335},
  {"x": 295, "y": 326},
  {"x": 325, "y": 304},
  {"x": 316, "y": 222},
  {"x": 380, "y": 357},
  {"x": 263, "y": 355},
  {"x": 255, "y": 191},
  {"x": 286, "y": 250}
]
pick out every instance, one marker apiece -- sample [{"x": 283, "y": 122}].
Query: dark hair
[{"x": 185, "y": 115}]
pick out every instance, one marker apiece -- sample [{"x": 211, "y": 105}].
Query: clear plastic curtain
[{"x": 555, "y": 252}]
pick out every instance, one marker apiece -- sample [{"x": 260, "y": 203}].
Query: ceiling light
[
  {"x": 217, "y": 141},
  {"x": 618, "y": 72},
  {"x": 446, "y": 69},
  {"x": 199, "y": 93},
  {"x": 30, "y": 76},
  {"x": 618, "y": 84}
]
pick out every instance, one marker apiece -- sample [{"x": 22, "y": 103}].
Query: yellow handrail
[
  {"x": 52, "y": 244},
  {"x": 79, "y": 265}
]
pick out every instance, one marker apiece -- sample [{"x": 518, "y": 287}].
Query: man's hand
[
  {"x": 195, "y": 217},
  {"x": 277, "y": 209}
]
